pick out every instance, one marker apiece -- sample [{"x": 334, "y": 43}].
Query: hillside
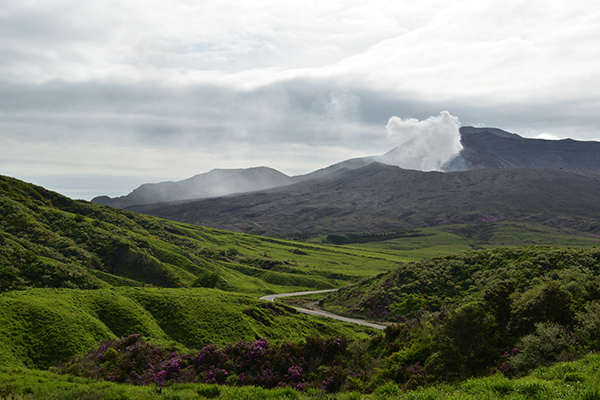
[
  {"x": 381, "y": 197},
  {"x": 450, "y": 281},
  {"x": 110, "y": 295},
  {"x": 87, "y": 272},
  {"x": 494, "y": 148},
  {"x": 48, "y": 240}
]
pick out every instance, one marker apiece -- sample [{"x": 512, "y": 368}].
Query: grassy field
[{"x": 452, "y": 239}]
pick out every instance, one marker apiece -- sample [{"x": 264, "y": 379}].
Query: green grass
[
  {"x": 41, "y": 326},
  {"x": 435, "y": 242},
  {"x": 47, "y": 240},
  {"x": 574, "y": 380},
  {"x": 452, "y": 239},
  {"x": 85, "y": 273}
]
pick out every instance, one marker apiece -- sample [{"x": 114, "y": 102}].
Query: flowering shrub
[{"x": 315, "y": 363}]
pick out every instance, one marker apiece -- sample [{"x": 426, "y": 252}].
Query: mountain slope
[
  {"x": 217, "y": 182},
  {"x": 494, "y": 148},
  {"x": 379, "y": 197},
  {"x": 482, "y": 148}
]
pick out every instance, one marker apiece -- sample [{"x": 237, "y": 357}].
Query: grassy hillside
[
  {"x": 458, "y": 279},
  {"x": 507, "y": 310},
  {"x": 47, "y": 240},
  {"x": 40, "y": 327},
  {"x": 74, "y": 275}
]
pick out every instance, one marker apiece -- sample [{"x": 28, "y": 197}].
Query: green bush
[
  {"x": 210, "y": 279},
  {"x": 386, "y": 390},
  {"x": 588, "y": 325},
  {"x": 549, "y": 343},
  {"x": 546, "y": 302},
  {"x": 467, "y": 340}
]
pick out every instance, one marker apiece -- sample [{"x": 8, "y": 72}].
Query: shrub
[
  {"x": 588, "y": 325},
  {"x": 467, "y": 340},
  {"x": 546, "y": 302},
  {"x": 386, "y": 390},
  {"x": 549, "y": 343}
]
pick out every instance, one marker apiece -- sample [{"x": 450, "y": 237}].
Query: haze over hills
[
  {"x": 218, "y": 182},
  {"x": 483, "y": 148},
  {"x": 497, "y": 173}
]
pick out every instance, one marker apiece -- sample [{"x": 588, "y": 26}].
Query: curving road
[{"x": 272, "y": 297}]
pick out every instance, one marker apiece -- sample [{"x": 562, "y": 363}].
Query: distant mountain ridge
[
  {"x": 483, "y": 148},
  {"x": 218, "y": 182},
  {"x": 382, "y": 197}
]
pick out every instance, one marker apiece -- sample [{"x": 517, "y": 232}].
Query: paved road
[{"x": 272, "y": 297}]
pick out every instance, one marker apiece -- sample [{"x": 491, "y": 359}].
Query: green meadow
[{"x": 74, "y": 275}]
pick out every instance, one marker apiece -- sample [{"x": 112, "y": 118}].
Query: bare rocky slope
[
  {"x": 381, "y": 197},
  {"x": 483, "y": 148},
  {"x": 498, "y": 173}
]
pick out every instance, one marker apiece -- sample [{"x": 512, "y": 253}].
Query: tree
[
  {"x": 546, "y": 302},
  {"x": 411, "y": 305}
]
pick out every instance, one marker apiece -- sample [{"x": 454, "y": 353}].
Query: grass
[
  {"x": 452, "y": 239},
  {"x": 573, "y": 380},
  {"x": 41, "y": 326},
  {"x": 144, "y": 269}
]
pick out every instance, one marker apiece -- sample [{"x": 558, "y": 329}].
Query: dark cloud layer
[{"x": 101, "y": 95}]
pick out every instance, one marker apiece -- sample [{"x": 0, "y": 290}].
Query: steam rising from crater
[{"x": 423, "y": 145}]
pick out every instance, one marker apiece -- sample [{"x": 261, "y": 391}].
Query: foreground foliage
[
  {"x": 465, "y": 315},
  {"x": 317, "y": 362},
  {"x": 572, "y": 380},
  {"x": 73, "y": 275}
]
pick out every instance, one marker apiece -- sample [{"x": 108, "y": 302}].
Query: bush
[
  {"x": 467, "y": 340},
  {"x": 209, "y": 279},
  {"x": 546, "y": 302},
  {"x": 387, "y": 390},
  {"x": 549, "y": 343},
  {"x": 588, "y": 325}
]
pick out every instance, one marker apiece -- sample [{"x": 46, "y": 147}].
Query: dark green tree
[{"x": 545, "y": 302}]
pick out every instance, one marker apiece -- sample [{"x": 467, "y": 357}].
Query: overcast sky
[{"x": 100, "y": 96}]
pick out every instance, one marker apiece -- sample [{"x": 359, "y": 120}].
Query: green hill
[
  {"x": 48, "y": 240},
  {"x": 76, "y": 278},
  {"x": 460, "y": 278},
  {"x": 73, "y": 273}
]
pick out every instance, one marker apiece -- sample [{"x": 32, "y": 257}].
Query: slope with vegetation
[
  {"x": 74, "y": 273},
  {"x": 506, "y": 309},
  {"x": 104, "y": 295},
  {"x": 49, "y": 240}
]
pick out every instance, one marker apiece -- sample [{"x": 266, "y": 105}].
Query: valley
[{"x": 487, "y": 278}]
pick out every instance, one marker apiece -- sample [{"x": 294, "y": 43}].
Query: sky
[{"x": 99, "y": 96}]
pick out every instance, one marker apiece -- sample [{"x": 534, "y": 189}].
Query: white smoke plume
[{"x": 423, "y": 145}]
